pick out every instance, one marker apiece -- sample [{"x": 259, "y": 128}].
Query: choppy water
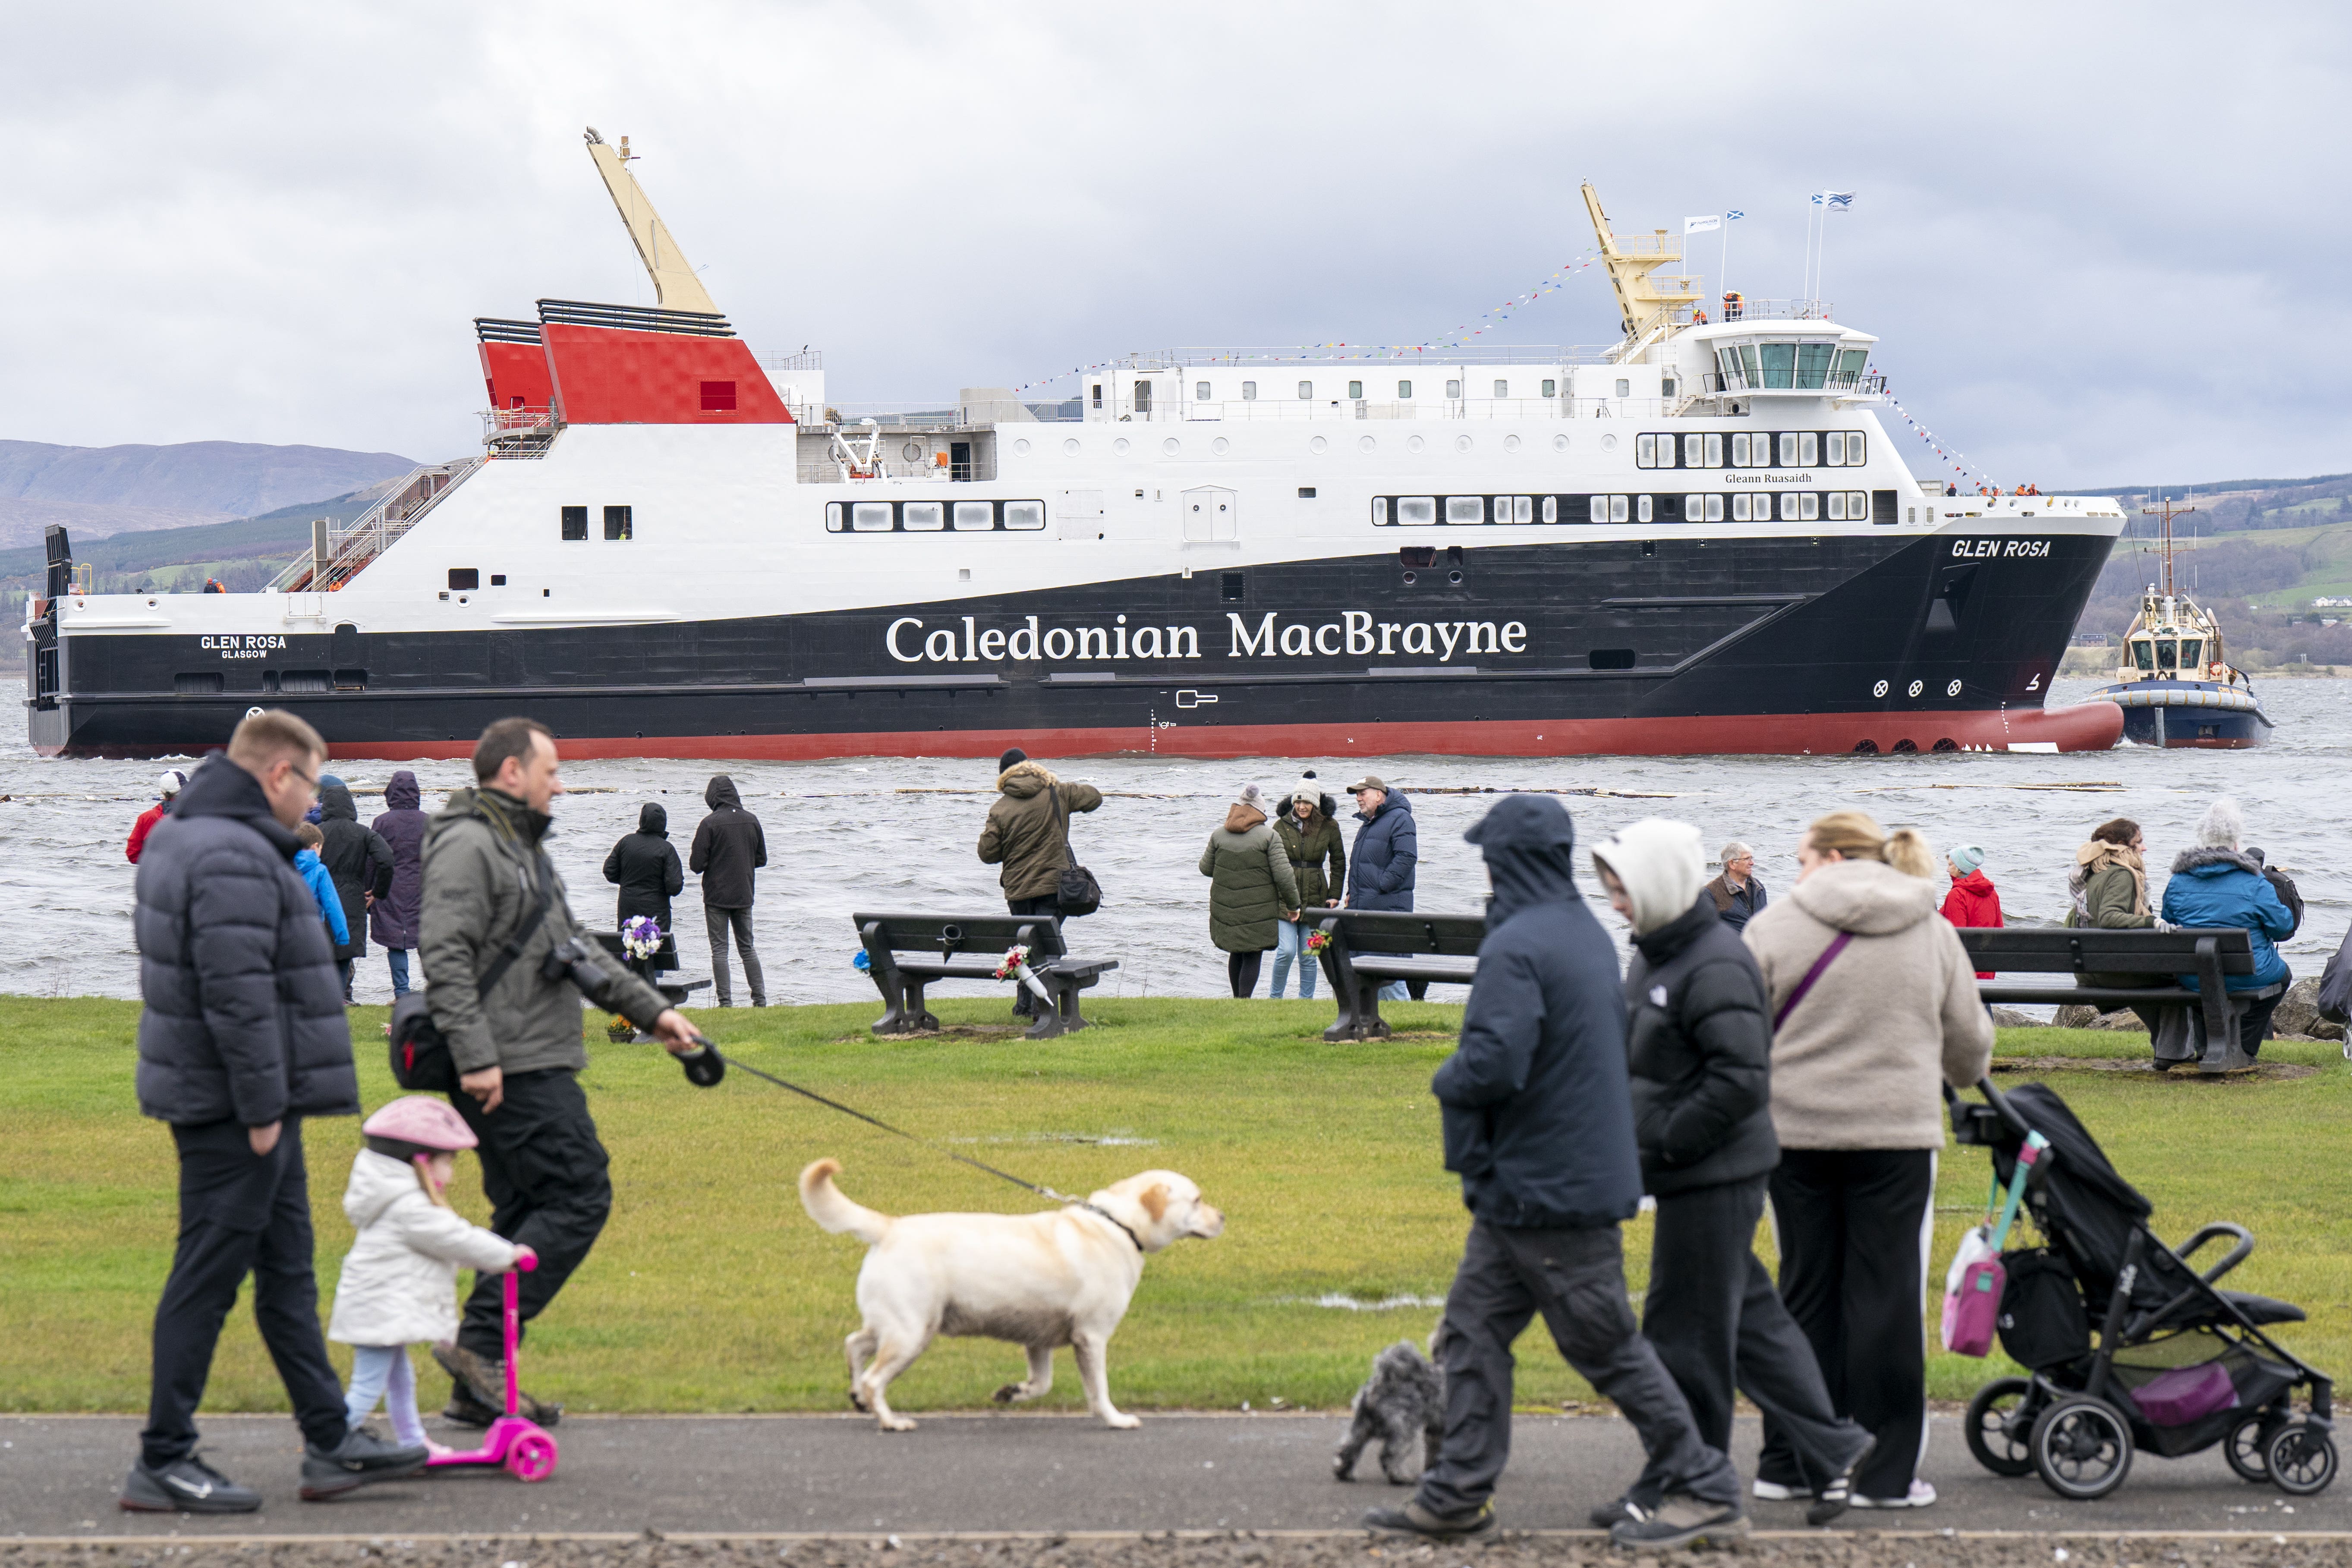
[{"x": 880, "y": 833}]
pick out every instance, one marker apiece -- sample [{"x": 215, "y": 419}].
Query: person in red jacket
[
  {"x": 1972, "y": 901},
  {"x": 170, "y": 784}
]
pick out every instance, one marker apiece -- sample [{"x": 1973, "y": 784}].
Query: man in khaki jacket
[{"x": 1028, "y": 834}]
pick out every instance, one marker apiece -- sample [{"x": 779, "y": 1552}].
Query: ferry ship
[{"x": 1696, "y": 540}]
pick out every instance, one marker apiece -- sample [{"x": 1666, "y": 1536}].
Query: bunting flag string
[
  {"x": 1459, "y": 337},
  {"x": 1953, "y": 457}
]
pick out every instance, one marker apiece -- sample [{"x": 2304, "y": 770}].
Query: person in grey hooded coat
[{"x": 1539, "y": 1124}]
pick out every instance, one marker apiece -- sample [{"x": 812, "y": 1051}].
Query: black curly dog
[{"x": 1404, "y": 1396}]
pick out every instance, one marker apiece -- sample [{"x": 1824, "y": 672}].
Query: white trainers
[
  {"x": 1921, "y": 1495},
  {"x": 1774, "y": 1491}
]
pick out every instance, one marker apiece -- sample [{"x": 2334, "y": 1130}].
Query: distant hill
[
  {"x": 99, "y": 491},
  {"x": 244, "y": 552}
]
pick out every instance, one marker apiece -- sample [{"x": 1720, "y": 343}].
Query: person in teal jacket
[
  {"x": 2217, "y": 884},
  {"x": 313, "y": 871}
]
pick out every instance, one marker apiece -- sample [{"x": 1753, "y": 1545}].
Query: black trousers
[
  {"x": 1576, "y": 1278},
  {"x": 1241, "y": 971},
  {"x": 544, "y": 1173},
  {"x": 716, "y": 923},
  {"x": 1024, "y": 1001},
  {"x": 1853, "y": 1273},
  {"x": 240, "y": 1213},
  {"x": 1718, "y": 1324}
]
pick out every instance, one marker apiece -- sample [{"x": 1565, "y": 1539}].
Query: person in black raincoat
[
  {"x": 1539, "y": 1124},
  {"x": 644, "y": 863},
  {"x": 361, "y": 864},
  {"x": 393, "y": 918},
  {"x": 729, "y": 848}
]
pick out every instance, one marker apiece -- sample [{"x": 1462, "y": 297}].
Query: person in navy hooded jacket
[
  {"x": 2217, "y": 884},
  {"x": 1538, "y": 1122}
]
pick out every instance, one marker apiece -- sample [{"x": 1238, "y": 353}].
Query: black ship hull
[{"x": 1840, "y": 643}]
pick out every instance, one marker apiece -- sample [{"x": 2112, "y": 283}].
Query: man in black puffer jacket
[
  {"x": 242, "y": 1037},
  {"x": 1699, "y": 1049},
  {"x": 1536, "y": 1124}
]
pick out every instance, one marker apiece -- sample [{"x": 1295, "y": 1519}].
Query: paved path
[{"x": 819, "y": 1474}]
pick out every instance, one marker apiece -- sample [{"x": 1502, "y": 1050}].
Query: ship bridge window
[
  {"x": 576, "y": 522},
  {"x": 618, "y": 523},
  {"x": 2192, "y": 651},
  {"x": 1779, "y": 365},
  {"x": 2168, "y": 654},
  {"x": 719, "y": 397},
  {"x": 1813, "y": 364},
  {"x": 1850, "y": 362},
  {"x": 2143, "y": 653}
]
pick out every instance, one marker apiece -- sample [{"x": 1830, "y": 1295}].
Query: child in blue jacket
[{"x": 322, "y": 886}]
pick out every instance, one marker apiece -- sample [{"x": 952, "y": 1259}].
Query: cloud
[{"x": 2096, "y": 245}]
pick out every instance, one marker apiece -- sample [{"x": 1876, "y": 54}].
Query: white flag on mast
[{"x": 1707, "y": 224}]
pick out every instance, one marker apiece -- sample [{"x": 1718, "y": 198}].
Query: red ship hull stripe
[{"x": 2090, "y": 727}]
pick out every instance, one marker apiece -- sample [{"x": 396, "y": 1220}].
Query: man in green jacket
[
  {"x": 517, "y": 1045},
  {"x": 1028, "y": 833}
]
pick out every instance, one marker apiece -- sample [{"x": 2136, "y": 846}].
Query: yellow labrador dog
[{"x": 1038, "y": 1279}]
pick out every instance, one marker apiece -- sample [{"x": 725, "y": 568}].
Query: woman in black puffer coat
[
  {"x": 644, "y": 863},
  {"x": 1699, "y": 1051}
]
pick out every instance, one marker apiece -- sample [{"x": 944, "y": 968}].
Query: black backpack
[
  {"x": 421, "y": 1062},
  {"x": 2043, "y": 1323}
]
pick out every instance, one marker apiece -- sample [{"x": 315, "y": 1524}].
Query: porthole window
[
  {"x": 1619, "y": 506},
  {"x": 1249, "y": 392},
  {"x": 1404, "y": 391},
  {"x": 975, "y": 516},
  {"x": 1465, "y": 509},
  {"x": 1416, "y": 511},
  {"x": 1023, "y": 515},
  {"x": 1452, "y": 390},
  {"x": 1808, "y": 450},
  {"x": 1201, "y": 391},
  {"x": 870, "y": 517},
  {"x": 923, "y": 516},
  {"x": 913, "y": 450}
]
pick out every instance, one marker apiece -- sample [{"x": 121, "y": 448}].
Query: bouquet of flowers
[
  {"x": 1318, "y": 940},
  {"x": 1016, "y": 967},
  {"x": 641, "y": 935}
]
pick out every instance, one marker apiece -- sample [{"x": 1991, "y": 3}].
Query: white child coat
[{"x": 399, "y": 1285}]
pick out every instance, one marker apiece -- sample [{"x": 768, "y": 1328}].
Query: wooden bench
[
  {"x": 2210, "y": 954},
  {"x": 664, "y": 961},
  {"x": 906, "y": 952},
  {"x": 1364, "y": 950}
]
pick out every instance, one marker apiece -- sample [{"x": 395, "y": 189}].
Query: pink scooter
[{"x": 524, "y": 1447}]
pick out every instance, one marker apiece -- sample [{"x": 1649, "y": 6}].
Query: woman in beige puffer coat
[{"x": 1875, "y": 1008}]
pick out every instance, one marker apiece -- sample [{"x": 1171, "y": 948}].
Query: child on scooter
[{"x": 399, "y": 1281}]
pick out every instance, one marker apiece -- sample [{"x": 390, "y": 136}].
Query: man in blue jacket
[
  {"x": 1539, "y": 1124},
  {"x": 1380, "y": 866},
  {"x": 2217, "y": 884},
  {"x": 242, "y": 1037}
]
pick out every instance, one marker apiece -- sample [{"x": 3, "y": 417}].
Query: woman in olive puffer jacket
[
  {"x": 1312, "y": 838},
  {"x": 1251, "y": 890}
]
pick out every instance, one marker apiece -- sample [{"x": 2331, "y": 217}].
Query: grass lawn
[{"x": 711, "y": 1290}]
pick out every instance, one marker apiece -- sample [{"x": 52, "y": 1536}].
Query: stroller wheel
[
  {"x": 1999, "y": 1426},
  {"x": 2247, "y": 1442},
  {"x": 2081, "y": 1447},
  {"x": 2302, "y": 1459}
]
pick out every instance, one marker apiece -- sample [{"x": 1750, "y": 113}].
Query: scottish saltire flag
[
  {"x": 1707, "y": 224},
  {"x": 1836, "y": 201},
  {"x": 1733, "y": 212}
]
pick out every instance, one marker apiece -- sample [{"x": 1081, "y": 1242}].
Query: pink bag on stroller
[{"x": 1972, "y": 1289}]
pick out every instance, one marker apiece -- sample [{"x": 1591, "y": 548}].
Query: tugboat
[{"x": 2176, "y": 685}]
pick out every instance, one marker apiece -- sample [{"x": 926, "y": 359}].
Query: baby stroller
[{"x": 2180, "y": 1365}]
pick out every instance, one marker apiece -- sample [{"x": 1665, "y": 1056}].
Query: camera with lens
[{"x": 575, "y": 960}]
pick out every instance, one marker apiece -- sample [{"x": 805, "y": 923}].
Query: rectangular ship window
[
  {"x": 1502, "y": 389},
  {"x": 923, "y": 516},
  {"x": 1833, "y": 450},
  {"x": 1552, "y": 389},
  {"x": 1305, "y": 390},
  {"x": 1618, "y": 508},
  {"x": 497, "y": 579},
  {"x": 1694, "y": 451},
  {"x": 1642, "y": 512},
  {"x": 1415, "y": 510},
  {"x": 1600, "y": 509},
  {"x": 1739, "y": 507},
  {"x": 465, "y": 579},
  {"x": 1097, "y": 389},
  {"x": 1523, "y": 509},
  {"x": 1837, "y": 506},
  {"x": 1853, "y": 448},
  {"x": 1811, "y": 505},
  {"x": 1788, "y": 506},
  {"x": 719, "y": 397},
  {"x": 833, "y": 517},
  {"x": 1551, "y": 509},
  {"x": 1355, "y": 391},
  {"x": 870, "y": 517},
  {"x": 1857, "y": 505},
  {"x": 1740, "y": 451},
  {"x": 1787, "y": 448},
  {"x": 617, "y": 521},
  {"x": 1199, "y": 392},
  {"x": 1380, "y": 511},
  {"x": 975, "y": 516},
  {"x": 1809, "y": 449},
  {"x": 1454, "y": 389},
  {"x": 1024, "y": 514},
  {"x": 1714, "y": 451},
  {"x": 1249, "y": 392},
  {"x": 1465, "y": 509},
  {"x": 1404, "y": 391},
  {"x": 576, "y": 522}
]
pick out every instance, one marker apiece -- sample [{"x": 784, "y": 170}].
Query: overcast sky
[{"x": 2099, "y": 244}]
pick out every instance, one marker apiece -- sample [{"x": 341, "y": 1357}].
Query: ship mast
[
  {"x": 675, "y": 287},
  {"x": 2167, "y": 511},
  {"x": 1642, "y": 305}
]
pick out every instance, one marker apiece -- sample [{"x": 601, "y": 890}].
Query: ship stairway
[{"x": 348, "y": 547}]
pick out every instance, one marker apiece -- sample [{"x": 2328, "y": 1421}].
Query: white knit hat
[
  {"x": 2224, "y": 826},
  {"x": 170, "y": 781}
]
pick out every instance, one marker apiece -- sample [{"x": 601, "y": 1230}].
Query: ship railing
[
  {"x": 352, "y": 546},
  {"x": 1775, "y": 310},
  {"x": 1281, "y": 410},
  {"x": 1871, "y": 383},
  {"x": 895, "y": 470},
  {"x": 519, "y": 432},
  {"x": 807, "y": 359},
  {"x": 846, "y": 416},
  {"x": 1355, "y": 354}
]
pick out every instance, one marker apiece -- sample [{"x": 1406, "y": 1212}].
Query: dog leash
[{"x": 1043, "y": 1192}]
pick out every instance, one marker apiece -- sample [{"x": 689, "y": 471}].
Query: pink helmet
[{"x": 423, "y": 1120}]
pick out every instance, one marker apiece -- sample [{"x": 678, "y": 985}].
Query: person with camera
[{"x": 505, "y": 964}]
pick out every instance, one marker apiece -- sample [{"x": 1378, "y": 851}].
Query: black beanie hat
[{"x": 1015, "y": 755}]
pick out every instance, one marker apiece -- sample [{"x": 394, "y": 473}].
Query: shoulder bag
[
  {"x": 421, "y": 1062},
  {"x": 1077, "y": 893},
  {"x": 1829, "y": 954}
]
